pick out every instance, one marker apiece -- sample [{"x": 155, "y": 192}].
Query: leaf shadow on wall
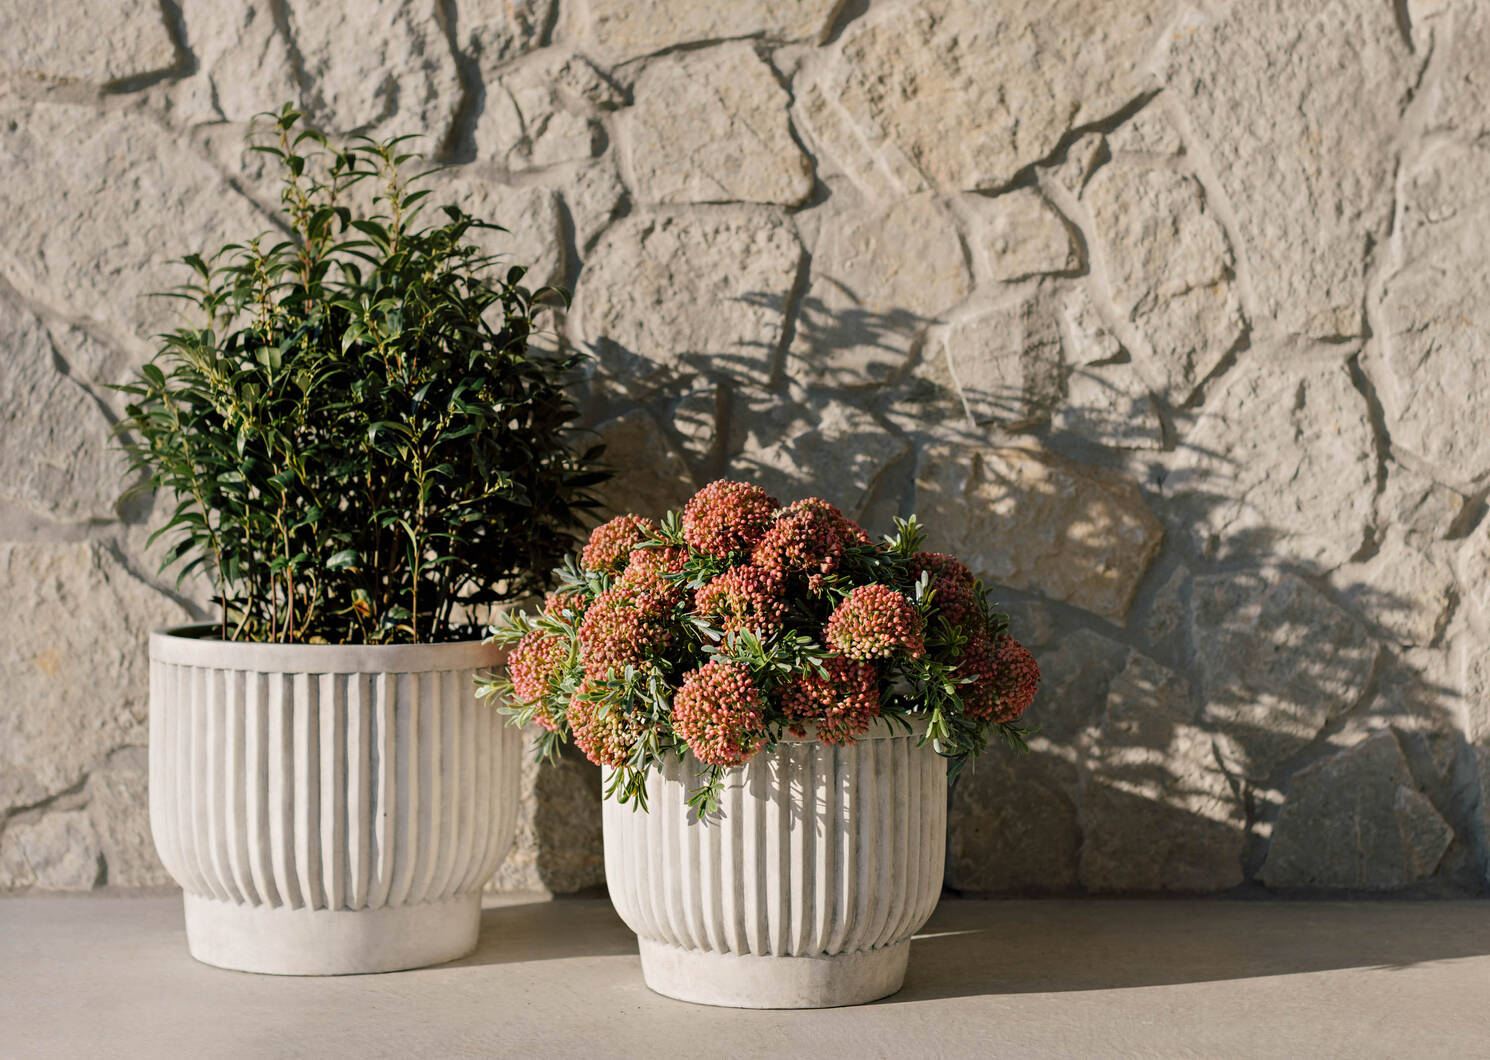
[
  {"x": 1167, "y": 746},
  {"x": 1168, "y": 749},
  {"x": 785, "y": 414}
]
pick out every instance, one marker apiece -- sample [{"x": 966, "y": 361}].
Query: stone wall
[{"x": 1171, "y": 317}]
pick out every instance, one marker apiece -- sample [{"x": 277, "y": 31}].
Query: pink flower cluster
[
  {"x": 643, "y": 579},
  {"x": 535, "y": 663},
  {"x": 622, "y": 628},
  {"x": 952, "y": 582},
  {"x": 873, "y": 622},
  {"x": 561, "y": 600},
  {"x": 727, "y": 517},
  {"x": 808, "y": 538},
  {"x": 1005, "y": 678},
  {"x": 743, "y": 598},
  {"x": 746, "y": 563},
  {"x": 605, "y": 736},
  {"x": 842, "y": 704},
  {"x": 718, "y": 711},
  {"x": 534, "y": 667},
  {"x": 611, "y": 543}
]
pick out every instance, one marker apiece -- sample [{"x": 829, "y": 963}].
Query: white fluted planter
[
  {"x": 803, "y": 892},
  {"x": 327, "y": 809}
]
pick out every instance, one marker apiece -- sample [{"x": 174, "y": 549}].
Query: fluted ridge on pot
[
  {"x": 816, "y": 851},
  {"x": 327, "y": 790}
]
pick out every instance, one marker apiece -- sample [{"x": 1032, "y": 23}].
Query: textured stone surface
[
  {"x": 1356, "y": 820},
  {"x": 1111, "y": 405},
  {"x": 1297, "y": 106},
  {"x": 55, "y": 851},
  {"x": 1031, "y": 520},
  {"x": 1007, "y": 362},
  {"x": 1013, "y": 828},
  {"x": 1169, "y": 268},
  {"x": 558, "y": 847},
  {"x": 593, "y": 197},
  {"x": 650, "y": 476},
  {"x": 1460, "y": 36},
  {"x": 624, "y": 29},
  {"x": 544, "y": 112},
  {"x": 496, "y": 30},
  {"x": 123, "y": 38},
  {"x": 91, "y": 200},
  {"x": 1036, "y": 70},
  {"x": 880, "y": 276},
  {"x": 119, "y": 807},
  {"x": 369, "y": 62},
  {"x": 1058, "y": 275},
  {"x": 822, "y": 447},
  {"x": 1279, "y": 461},
  {"x": 1158, "y": 813},
  {"x": 56, "y": 438},
  {"x": 711, "y": 126},
  {"x": 1021, "y": 235},
  {"x": 72, "y": 645},
  {"x": 1435, "y": 387},
  {"x": 244, "y": 57},
  {"x": 530, "y": 215},
  {"x": 1407, "y": 590},
  {"x": 661, "y": 293},
  {"x": 1268, "y": 687}
]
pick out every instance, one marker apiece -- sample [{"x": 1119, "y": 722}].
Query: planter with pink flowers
[{"x": 777, "y": 701}]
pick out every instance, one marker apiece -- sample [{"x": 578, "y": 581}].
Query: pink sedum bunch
[
  {"x": 535, "y": 667},
  {"x": 606, "y": 735},
  {"x": 842, "y": 704},
  {"x": 808, "y": 538},
  {"x": 620, "y": 629},
  {"x": 536, "y": 663},
  {"x": 951, "y": 581},
  {"x": 727, "y": 517},
  {"x": 735, "y": 621},
  {"x": 874, "y": 622},
  {"x": 744, "y": 598},
  {"x": 611, "y": 543},
  {"x": 1003, "y": 678},
  {"x": 718, "y": 713},
  {"x": 645, "y": 577}
]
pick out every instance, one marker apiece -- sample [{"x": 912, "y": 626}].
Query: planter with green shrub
[{"x": 366, "y": 460}]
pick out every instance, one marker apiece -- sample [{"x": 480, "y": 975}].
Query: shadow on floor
[
  {"x": 972, "y": 948},
  {"x": 548, "y": 931}
]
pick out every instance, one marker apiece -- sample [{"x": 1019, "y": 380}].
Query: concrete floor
[{"x": 109, "y": 976}]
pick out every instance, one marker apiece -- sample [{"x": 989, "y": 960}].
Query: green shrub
[{"x": 361, "y": 444}]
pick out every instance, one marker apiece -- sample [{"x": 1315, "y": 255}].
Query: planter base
[
  {"x": 740, "y": 981},
  {"x": 281, "y": 941}
]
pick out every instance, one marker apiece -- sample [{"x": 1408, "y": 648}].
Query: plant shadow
[
  {"x": 972, "y": 948},
  {"x": 543, "y": 930}
]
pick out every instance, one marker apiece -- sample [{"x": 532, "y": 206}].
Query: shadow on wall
[
  {"x": 1235, "y": 695},
  {"x": 1265, "y": 713}
]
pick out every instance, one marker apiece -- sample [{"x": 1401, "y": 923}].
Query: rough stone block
[
  {"x": 711, "y": 126},
  {"x": 1031, "y": 520},
  {"x": 1356, "y": 820}
]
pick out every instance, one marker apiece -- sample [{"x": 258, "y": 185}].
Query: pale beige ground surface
[{"x": 96, "y": 977}]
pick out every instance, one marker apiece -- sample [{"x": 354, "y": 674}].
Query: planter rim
[
  {"x": 194, "y": 645},
  {"x": 879, "y": 729}
]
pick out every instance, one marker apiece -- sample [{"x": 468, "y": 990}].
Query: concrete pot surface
[
  {"x": 328, "y": 809},
  {"x": 803, "y": 891}
]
